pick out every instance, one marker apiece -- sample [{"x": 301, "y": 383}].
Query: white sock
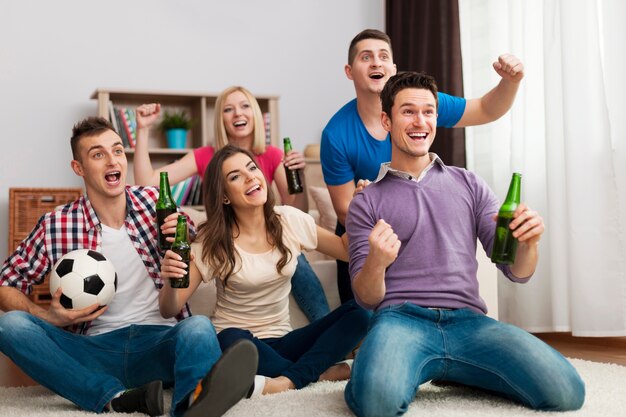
[
  {"x": 347, "y": 362},
  {"x": 259, "y": 384}
]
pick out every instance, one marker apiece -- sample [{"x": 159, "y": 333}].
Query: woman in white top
[{"x": 251, "y": 247}]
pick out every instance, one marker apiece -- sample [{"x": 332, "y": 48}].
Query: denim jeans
[
  {"x": 308, "y": 292},
  {"x": 90, "y": 370},
  {"x": 408, "y": 345},
  {"x": 302, "y": 355}
]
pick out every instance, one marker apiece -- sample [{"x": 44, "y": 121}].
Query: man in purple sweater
[{"x": 413, "y": 260}]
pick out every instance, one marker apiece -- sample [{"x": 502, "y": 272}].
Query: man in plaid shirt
[{"x": 120, "y": 356}]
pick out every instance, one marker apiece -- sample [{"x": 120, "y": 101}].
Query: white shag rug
[{"x": 605, "y": 386}]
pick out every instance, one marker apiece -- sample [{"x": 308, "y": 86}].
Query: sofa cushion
[{"x": 327, "y": 215}]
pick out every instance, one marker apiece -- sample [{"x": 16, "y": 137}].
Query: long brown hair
[{"x": 216, "y": 234}]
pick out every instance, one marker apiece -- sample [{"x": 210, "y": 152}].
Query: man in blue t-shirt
[{"x": 354, "y": 142}]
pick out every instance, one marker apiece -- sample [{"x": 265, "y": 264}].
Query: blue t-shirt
[{"x": 348, "y": 152}]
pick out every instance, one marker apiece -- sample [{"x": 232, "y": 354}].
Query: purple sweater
[{"x": 438, "y": 221}]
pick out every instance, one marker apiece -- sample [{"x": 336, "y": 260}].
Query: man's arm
[
  {"x": 13, "y": 299},
  {"x": 27, "y": 265},
  {"x": 499, "y": 100},
  {"x": 527, "y": 227},
  {"x": 57, "y": 315},
  {"x": 341, "y": 195},
  {"x": 369, "y": 282}
]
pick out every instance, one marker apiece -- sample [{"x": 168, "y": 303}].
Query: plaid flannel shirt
[{"x": 76, "y": 226}]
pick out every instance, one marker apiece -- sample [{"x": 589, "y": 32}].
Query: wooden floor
[
  {"x": 596, "y": 349},
  {"x": 600, "y": 349}
]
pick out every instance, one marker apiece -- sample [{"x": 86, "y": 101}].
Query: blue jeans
[
  {"x": 408, "y": 345},
  {"x": 302, "y": 355},
  {"x": 90, "y": 370},
  {"x": 308, "y": 292}
]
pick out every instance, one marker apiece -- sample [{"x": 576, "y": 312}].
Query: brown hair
[
  {"x": 216, "y": 234},
  {"x": 367, "y": 34},
  {"x": 90, "y": 126},
  {"x": 221, "y": 138},
  {"x": 403, "y": 81}
]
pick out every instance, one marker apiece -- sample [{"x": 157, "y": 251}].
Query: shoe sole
[
  {"x": 228, "y": 381},
  {"x": 154, "y": 396}
]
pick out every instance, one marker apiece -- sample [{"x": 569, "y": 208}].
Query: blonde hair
[{"x": 221, "y": 138}]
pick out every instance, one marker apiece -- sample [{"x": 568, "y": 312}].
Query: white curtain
[{"x": 566, "y": 134}]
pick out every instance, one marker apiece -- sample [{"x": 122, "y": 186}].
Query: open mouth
[
  {"x": 113, "y": 177},
  {"x": 376, "y": 75},
  {"x": 253, "y": 190},
  {"x": 240, "y": 123},
  {"x": 418, "y": 135}
]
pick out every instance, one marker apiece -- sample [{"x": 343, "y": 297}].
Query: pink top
[{"x": 268, "y": 161}]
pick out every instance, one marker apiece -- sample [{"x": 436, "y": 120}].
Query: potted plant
[{"x": 175, "y": 126}]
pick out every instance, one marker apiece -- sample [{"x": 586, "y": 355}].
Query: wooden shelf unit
[{"x": 199, "y": 106}]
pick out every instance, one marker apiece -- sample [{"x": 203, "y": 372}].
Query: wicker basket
[{"x": 26, "y": 206}]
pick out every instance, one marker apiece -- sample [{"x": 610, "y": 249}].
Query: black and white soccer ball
[{"x": 86, "y": 277}]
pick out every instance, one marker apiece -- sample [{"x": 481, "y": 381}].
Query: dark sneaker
[
  {"x": 147, "y": 399},
  {"x": 227, "y": 382}
]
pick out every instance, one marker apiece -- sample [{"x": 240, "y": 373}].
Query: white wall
[{"x": 54, "y": 54}]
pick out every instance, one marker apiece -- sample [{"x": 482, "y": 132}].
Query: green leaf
[{"x": 175, "y": 120}]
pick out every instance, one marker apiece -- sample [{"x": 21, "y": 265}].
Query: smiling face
[
  {"x": 244, "y": 183},
  {"x": 412, "y": 124},
  {"x": 102, "y": 163},
  {"x": 372, "y": 66},
  {"x": 238, "y": 116}
]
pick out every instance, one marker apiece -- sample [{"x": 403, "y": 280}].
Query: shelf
[
  {"x": 200, "y": 106},
  {"x": 144, "y": 95}
]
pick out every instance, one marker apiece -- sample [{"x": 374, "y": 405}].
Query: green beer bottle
[
  {"x": 294, "y": 185},
  {"x": 181, "y": 247},
  {"x": 504, "y": 244},
  {"x": 164, "y": 207}
]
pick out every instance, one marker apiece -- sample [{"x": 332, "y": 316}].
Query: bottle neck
[
  {"x": 165, "y": 194},
  {"x": 287, "y": 146},
  {"x": 181, "y": 230},
  {"x": 513, "y": 195}
]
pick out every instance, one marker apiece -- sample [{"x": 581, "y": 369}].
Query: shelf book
[
  {"x": 124, "y": 122},
  {"x": 187, "y": 192}
]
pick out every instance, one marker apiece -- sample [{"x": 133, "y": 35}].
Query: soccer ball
[{"x": 86, "y": 277}]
